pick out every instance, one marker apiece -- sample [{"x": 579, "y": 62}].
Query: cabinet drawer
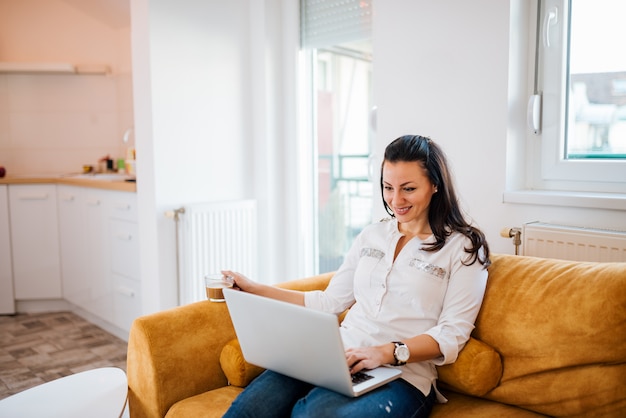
[
  {"x": 124, "y": 248},
  {"x": 123, "y": 205},
  {"x": 126, "y": 301}
]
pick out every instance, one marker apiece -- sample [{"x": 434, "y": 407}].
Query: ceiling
[{"x": 113, "y": 13}]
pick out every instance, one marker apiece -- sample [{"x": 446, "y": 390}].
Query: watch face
[{"x": 402, "y": 352}]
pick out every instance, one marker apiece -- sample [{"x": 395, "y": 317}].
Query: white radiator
[
  {"x": 573, "y": 243},
  {"x": 215, "y": 236}
]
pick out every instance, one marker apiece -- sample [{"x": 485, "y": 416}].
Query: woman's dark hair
[{"x": 444, "y": 213}]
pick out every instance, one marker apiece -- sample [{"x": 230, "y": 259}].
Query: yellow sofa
[{"x": 550, "y": 340}]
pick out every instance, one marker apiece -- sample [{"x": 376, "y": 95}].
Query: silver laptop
[{"x": 298, "y": 342}]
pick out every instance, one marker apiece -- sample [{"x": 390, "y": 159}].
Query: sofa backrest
[{"x": 560, "y": 328}]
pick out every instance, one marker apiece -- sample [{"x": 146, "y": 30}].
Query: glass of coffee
[{"x": 215, "y": 284}]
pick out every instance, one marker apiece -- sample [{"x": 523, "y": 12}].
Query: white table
[{"x": 98, "y": 393}]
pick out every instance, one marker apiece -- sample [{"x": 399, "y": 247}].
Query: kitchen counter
[{"x": 73, "y": 180}]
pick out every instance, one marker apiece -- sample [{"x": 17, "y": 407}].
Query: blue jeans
[{"x": 273, "y": 395}]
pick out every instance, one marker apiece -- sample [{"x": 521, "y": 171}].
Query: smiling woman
[
  {"x": 407, "y": 191},
  {"x": 429, "y": 180},
  {"x": 414, "y": 284}
]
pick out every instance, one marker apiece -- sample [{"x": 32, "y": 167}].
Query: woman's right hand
[{"x": 240, "y": 281}]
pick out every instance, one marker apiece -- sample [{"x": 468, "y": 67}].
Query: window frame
[{"x": 555, "y": 172}]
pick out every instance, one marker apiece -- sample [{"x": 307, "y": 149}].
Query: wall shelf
[{"x": 52, "y": 68}]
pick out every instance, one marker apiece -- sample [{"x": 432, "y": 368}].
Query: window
[
  {"x": 337, "y": 53},
  {"x": 344, "y": 195},
  {"x": 581, "y": 76}
]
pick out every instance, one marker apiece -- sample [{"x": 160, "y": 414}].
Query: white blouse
[{"x": 421, "y": 292}]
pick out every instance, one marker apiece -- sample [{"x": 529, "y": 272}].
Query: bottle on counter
[{"x": 130, "y": 162}]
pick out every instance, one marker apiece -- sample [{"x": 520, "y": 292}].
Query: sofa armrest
[
  {"x": 174, "y": 354},
  {"x": 319, "y": 282}
]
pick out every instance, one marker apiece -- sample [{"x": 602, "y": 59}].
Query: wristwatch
[{"x": 401, "y": 353}]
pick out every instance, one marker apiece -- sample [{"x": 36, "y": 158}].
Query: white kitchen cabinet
[
  {"x": 124, "y": 239},
  {"x": 98, "y": 271},
  {"x": 84, "y": 249},
  {"x": 100, "y": 252},
  {"x": 74, "y": 240},
  {"x": 125, "y": 270},
  {"x": 7, "y": 303},
  {"x": 35, "y": 241},
  {"x": 84, "y": 256}
]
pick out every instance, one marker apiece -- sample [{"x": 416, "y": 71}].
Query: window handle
[
  {"x": 533, "y": 113},
  {"x": 551, "y": 19}
]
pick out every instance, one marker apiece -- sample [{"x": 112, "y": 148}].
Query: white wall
[
  {"x": 457, "y": 71},
  {"x": 191, "y": 101},
  {"x": 210, "y": 99}
]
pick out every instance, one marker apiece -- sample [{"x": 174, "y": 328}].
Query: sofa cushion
[
  {"x": 476, "y": 371},
  {"x": 559, "y": 327},
  {"x": 237, "y": 370},
  {"x": 464, "y": 406},
  {"x": 211, "y": 404}
]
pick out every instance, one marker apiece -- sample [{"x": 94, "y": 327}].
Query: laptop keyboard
[{"x": 360, "y": 377}]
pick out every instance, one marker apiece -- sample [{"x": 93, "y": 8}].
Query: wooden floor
[{"x": 38, "y": 348}]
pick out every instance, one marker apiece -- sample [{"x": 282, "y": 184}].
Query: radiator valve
[
  {"x": 175, "y": 213},
  {"x": 516, "y": 234}
]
